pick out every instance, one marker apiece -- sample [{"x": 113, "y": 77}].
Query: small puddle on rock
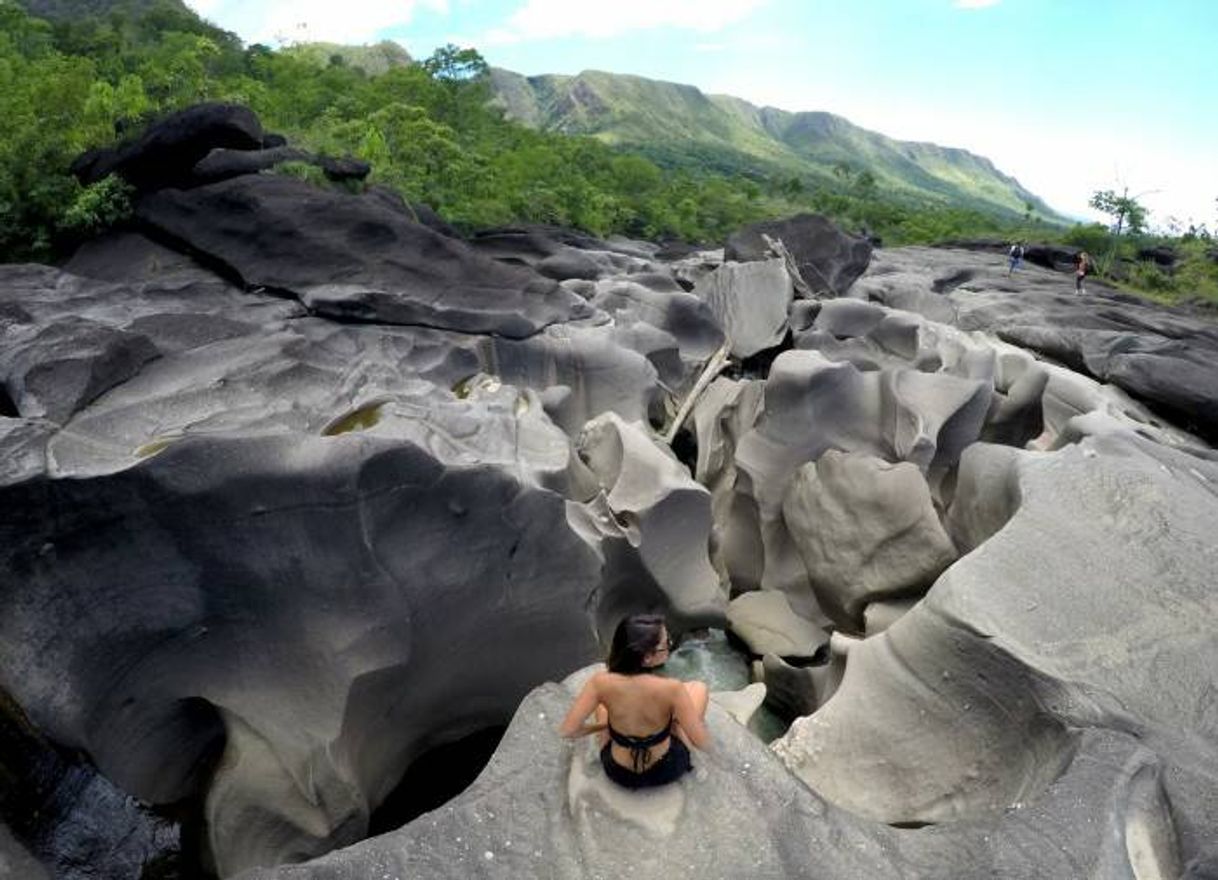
[
  {"x": 152, "y": 447},
  {"x": 359, "y": 420}
]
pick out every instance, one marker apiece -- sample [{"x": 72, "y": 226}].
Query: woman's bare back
[{"x": 640, "y": 706}]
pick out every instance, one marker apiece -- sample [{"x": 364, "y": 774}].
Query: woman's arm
[
  {"x": 585, "y": 704},
  {"x": 693, "y": 725}
]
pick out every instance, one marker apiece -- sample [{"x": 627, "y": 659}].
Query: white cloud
[
  {"x": 554, "y": 19},
  {"x": 275, "y": 21},
  {"x": 975, "y": 4}
]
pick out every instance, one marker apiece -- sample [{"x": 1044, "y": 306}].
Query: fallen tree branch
[
  {"x": 713, "y": 368},
  {"x": 779, "y": 249}
]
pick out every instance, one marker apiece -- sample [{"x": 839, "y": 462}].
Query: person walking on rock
[
  {"x": 1014, "y": 257},
  {"x": 1082, "y": 264},
  {"x": 646, "y": 723}
]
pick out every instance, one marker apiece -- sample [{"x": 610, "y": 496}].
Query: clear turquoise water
[{"x": 711, "y": 658}]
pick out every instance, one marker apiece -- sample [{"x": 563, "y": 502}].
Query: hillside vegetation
[
  {"x": 98, "y": 71},
  {"x": 671, "y": 122}
]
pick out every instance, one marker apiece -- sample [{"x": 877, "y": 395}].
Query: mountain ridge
[{"x": 665, "y": 119}]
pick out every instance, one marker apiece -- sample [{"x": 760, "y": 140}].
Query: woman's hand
[{"x": 575, "y": 724}]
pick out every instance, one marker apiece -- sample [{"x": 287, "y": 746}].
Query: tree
[
  {"x": 450, "y": 63},
  {"x": 1124, "y": 209}
]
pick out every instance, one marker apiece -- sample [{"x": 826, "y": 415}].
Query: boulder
[
  {"x": 1164, "y": 357},
  {"x": 342, "y": 169},
  {"x": 53, "y": 371},
  {"x": 1016, "y": 417},
  {"x": 1030, "y": 655},
  {"x": 750, "y": 302},
  {"x": 166, "y": 153},
  {"x": 654, "y": 523},
  {"x": 543, "y": 807},
  {"x": 743, "y": 704},
  {"x": 353, "y": 258},
  {"x": 764, "y": 621},
  {"x": 848, "y": 317},
  {"x": 583, "y": 370},
  {"x": 223, "y": 163},
  {"x": 254, "y": 485},
  {"x": 866, "y": 530},
  {"x": 794, "y": 691},
  {"x": 828, "y": 259},
  {"x": 724, "y": 412},
  {"x": 688, "y": 319},
  {"x": 879, "y": 616},
  {"x": 813, "y": 405},
  {"x": 272, "y": 556}
]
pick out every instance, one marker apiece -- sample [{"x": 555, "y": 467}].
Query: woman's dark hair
[{"x": 635, "y": 637}]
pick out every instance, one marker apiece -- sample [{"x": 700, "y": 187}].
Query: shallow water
[{"x": 711, "y": 658}]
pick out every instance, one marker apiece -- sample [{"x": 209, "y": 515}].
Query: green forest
[{"x": 429, "y": 132}]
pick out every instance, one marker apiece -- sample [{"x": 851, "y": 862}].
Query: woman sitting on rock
[{"x": 646, "y": 723}]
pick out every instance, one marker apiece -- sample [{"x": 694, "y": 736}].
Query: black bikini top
[{"x": 640, "y": 746}]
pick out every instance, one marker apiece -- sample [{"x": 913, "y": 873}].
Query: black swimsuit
[{"x": 670, "y": 767}]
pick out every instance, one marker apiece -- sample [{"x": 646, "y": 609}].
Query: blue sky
[{"x": 1068, "y": 96}]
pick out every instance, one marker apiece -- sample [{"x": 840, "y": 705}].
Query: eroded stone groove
[{"x": 336, "y": 534}]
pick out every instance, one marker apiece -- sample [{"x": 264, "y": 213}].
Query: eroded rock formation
[{"x": 310, "y": 486}]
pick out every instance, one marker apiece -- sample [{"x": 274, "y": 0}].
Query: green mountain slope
[
  {"x": 373, "y": 60},
  {"x": 70, "y": 10},
  {"x": 675, "y": 123}
]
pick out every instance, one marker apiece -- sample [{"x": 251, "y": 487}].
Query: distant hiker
[
  {"x": 1014, "y": 257},
  {"x": 1082, "y": 265},
  {"x": 646, "y": 724}
]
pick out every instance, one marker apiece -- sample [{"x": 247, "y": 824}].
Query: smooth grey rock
[
  {"x": 23, "y": 448},
  {"x": 601, "y": 374},
  {"x": 54, "y": 371},
  {"x": 656, "y": 521},
  {"x": 813, "y": 405},
  {"x": 222, "y": 163},
  {"x": 1091, "y": 636},
  {"x": 69, "y": 817},
  {"x": 765, "y": 622},
  {"x": 353, "y": 258},
  {"x": 1016, "y": 417},
  {"x": 743, "y": 704},
  {"x": 750, "y": 302},
  {"x": 543, "y": 808},
  {"x": 273, "y": 555},
  {"x": 866, "y": 530},
  {"x": 803, "y": 314},
  {"x": 689, "y": 269},
  {"x": 794, "y": 691},
  {"x": 1164, "y": 357},
  {"x": 828, "y": 259},
  {"x": 686, "y": 317},
  {"x": 724, "y": 412},
  {"x": 879, "y": 616},
  {"x": 848, "y": 317}
]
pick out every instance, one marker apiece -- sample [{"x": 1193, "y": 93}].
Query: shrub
[{"x": 98, "y": 206}]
